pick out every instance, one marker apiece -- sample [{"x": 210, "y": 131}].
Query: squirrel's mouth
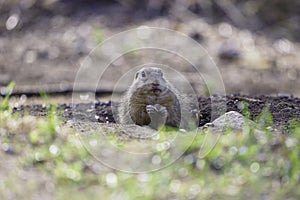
[{"x": 156, "y": 90}]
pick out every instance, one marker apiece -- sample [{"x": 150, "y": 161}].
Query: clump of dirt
[{"x": 283, "y": 109}]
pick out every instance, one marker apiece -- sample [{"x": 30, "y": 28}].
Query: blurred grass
[
  {"x": 98, "y": 35},
  {"x": 243, "y": 165}
]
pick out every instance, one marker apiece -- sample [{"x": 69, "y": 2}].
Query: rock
[
  {"x": 8, "y": 148},
  {"x": 231, "y": 120}
]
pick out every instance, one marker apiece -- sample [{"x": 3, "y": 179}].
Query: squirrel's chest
[{"x": 166, "y": 100}]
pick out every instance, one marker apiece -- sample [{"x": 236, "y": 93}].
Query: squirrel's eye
[{"x": 143, "y": 74}]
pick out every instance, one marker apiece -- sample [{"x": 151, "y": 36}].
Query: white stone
[{"x": 229, "y": 121}]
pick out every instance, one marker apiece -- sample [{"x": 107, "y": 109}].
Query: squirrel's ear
[{"x": 136, "y": 75}]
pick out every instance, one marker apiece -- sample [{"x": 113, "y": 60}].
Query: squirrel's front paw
[
  {"x": 157, "y": 109},
  {"x": 158, "y": 115},
  {"x": 161, "y": 110},
  {"x": 151, "y": 109}
]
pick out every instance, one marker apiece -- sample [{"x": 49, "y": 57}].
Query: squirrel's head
[{"x": 150, "y": 79}]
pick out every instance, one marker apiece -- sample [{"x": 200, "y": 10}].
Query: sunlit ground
[{"x": 44, "y": 157}]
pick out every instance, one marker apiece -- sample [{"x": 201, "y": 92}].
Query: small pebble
[
  {"x": 197, "y": 36},
  {"x": 89, "y": 110},
  {"x": 97, "y": 102},
  {"x": 8, "y": 148},
  {"x": 229, "y": 53},
  {"x": 209, "y": 124}
]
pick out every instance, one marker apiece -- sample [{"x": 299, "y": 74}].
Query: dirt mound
[{"x": 283, "y": 109}]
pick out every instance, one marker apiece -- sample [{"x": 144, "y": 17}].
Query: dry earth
[{"x": 283, "y": 109}]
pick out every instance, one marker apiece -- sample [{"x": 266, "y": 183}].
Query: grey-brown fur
[{"x": 149, "y": 96}]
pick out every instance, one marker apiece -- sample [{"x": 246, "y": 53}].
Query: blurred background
[{"x": 255, "y": 43}]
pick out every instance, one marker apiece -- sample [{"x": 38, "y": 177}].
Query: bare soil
[{"x": 284, "y": 109}]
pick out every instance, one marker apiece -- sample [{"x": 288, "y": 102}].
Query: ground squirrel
[{"x": 151, "y": 100}]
